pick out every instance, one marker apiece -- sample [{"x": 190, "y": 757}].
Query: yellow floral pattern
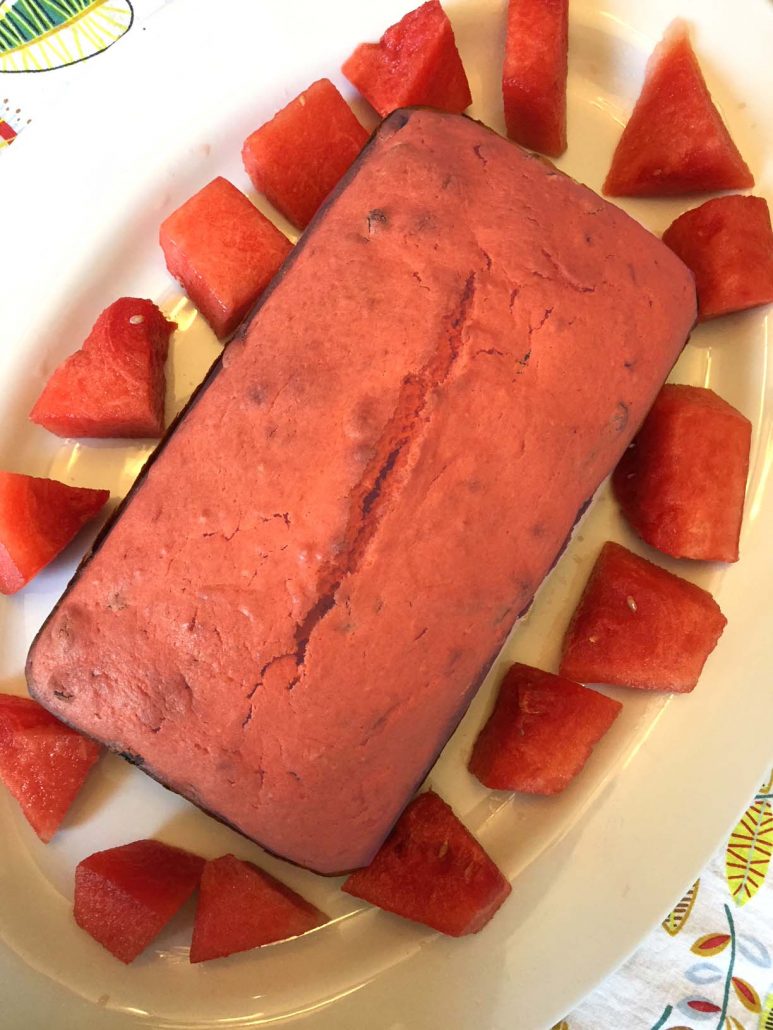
[{"x": 747, "y": 859}]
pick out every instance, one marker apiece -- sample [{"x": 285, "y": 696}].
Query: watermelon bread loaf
[{"x": 292, "y": 609}]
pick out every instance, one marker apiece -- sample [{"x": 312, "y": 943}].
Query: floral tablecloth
[{"x": 710, "y": 963}]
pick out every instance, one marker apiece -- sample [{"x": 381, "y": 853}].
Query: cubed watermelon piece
[
  {"x": 540, "y": 733},
  {"x": 534, "y": 74},
  {"x": 415, "y": 63},
  {"x": 727, "y": 244},
  {"x": 125, "y": 896},
  {"x": 38, "y": 519},
  {"x": 675, "y": 141},
  {"x": 223, "y": 251},
  {"x": 43, "y": 763},
  {"x": 114, "y": 385},
  {"x": 681, "y": 483},
  {"x": 638, "y": 625},
  {"x": 241, "y": 907},
  {"x": 432, "y": 870},
  {"x": 297, "y": 158}
]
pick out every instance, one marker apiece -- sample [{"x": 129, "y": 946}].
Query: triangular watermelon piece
[
  {"x": 432, "y": 870},
  {"x": 727, "y": 243},
  {"x": 638, "y": 625},
  {"x": 38, "y": 518},
  {"x": 297, "y": 158},
  {"x": 43, "y": 763},
  {"x": 681, "y": 483},
  {"x": 541, "y": 732},
  {"x": 675, "y": 141},
  {"x": 114, "y": 385},
  {"x": 223, "y": 251},
  {"x": 414, "y": 63},
  {"x": 241, "y": 907},
  {"x": 125, "y": 896}
]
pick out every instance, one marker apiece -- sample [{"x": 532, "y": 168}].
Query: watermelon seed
[
  {"x": 136, "y": 320},
  {"x": 593, "y": 640},
  {"x": 631, "y": 603},
  {"x": 443, "y": 850}
]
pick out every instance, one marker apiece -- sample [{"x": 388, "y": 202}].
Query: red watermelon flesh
[
  {"x": 223, "y": 251},
  {"x": 38, "y": 518},
  {"x": 114, "y": 385},
  {"x": 534, "y": 74},
  {"x": 727, "y": 244},
  {"x": 297, "y": 158},
  {"x": 681, "y": 483},
  {"x": 639, "y": 626},
  {"x": 415, "y": 63},
  {"x": 675, "y": 141},
  {"x": 540, "y": 733},
  {"x": 432, "y": 870},
  {"x": 43, "y": 763},
  {"x": 241, "y": 907},
  {"x": 125, "y": 896}
]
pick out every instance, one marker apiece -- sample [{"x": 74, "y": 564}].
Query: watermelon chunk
[
  {"x": 639, "y": 626},
  {"x": 43, "y": 763},
  {"x": 540, "y": 733},
  {"x": 38, "y": 519},
  {"x": 727, "y": 244},
  {"x": 114, "y": 385},
  {"x": 675, "y": 141},
  {"x": 415, "y": 63},
  {"x": 297, "y": 158},
  {"x": 534, "y": 74},
  {"x": 681, "y": 482},
  {"x": 223, "y": 252},
  {"x": 432, "y": 870},
  {"x": 241, "y": 907},
  {"x": 125, "y": 896}
]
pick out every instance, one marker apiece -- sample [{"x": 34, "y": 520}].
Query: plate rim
[{"x": 22, "y": 160}]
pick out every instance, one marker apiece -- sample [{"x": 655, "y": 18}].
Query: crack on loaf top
[
  {"x": 536, "y": 328},
  {"x": 371, "y": 496},
  {"x": 480, "y": 157},
  {"x": 563, "y": 273}
]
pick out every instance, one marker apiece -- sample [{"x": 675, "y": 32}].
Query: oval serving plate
[{"x": 592, "y": 869}]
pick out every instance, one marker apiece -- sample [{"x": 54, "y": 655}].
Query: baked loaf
[{"x": 291, "y": 611}]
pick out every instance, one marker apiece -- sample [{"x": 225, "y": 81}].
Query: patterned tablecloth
[{"x": 710, "y": 963}]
